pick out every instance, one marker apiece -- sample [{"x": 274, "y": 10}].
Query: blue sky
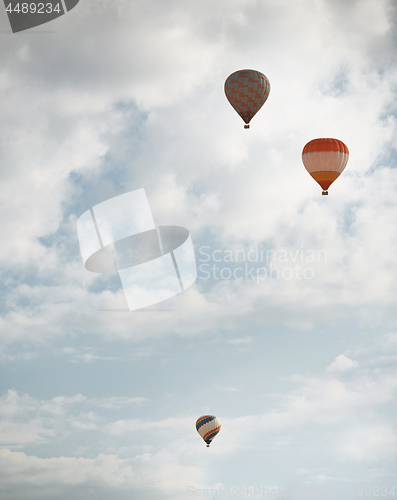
[{"x": 301, "y": 371}]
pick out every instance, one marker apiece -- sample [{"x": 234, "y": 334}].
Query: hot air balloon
[
  {"x": 208, "y": 426},
  {"x": 247, "y": 91},
  {"x": 325, "y": 160}
]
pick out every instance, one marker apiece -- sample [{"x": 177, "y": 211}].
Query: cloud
[
  {"x": 367, "y": 443},
  {"x": 19, "y": 468},
  {"x": 341, "y": 364},
  {"x": 241, "y": 340},
  {"x": 159, "y": 473},
  {"x": 27, "y": 421},
  {"x": 391, "y": 339},
  {"x": 228, "y": 389},
  {"x": 117, "y": 402},
  {"x": 97, "y": 124}
]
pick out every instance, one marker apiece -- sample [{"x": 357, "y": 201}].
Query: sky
[{"x": 288, "y": 336}]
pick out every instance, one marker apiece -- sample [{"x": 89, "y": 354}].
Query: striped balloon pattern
[
  {"x": 208, "y": 426},
  {"x": 325, "y": 160},
  {"x": 247, "y": 91}
]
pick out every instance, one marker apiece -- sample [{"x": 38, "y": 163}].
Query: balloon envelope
[
  {"x": 325, "y": 160},
  {"x": 247, "y": 91},
  {"x": 208, "y": 426}
]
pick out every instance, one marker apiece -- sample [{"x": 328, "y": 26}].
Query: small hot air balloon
[
  {"x": 247, "y": 91},
  {"x": 325, "y": 160},
  {"x": 208, "y": 426}
]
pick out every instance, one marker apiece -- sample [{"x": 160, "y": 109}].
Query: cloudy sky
[{"x": 299, "y": 362}]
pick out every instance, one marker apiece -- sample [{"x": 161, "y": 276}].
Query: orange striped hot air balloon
[
  {"x": 247, "y": 91},
  {"x": 325, "y": 160}
]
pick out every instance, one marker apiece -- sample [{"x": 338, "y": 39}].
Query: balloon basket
[
  {"x": 325, "y": 192},
  {"x": 246, "y": 126},
  {"x": 208, "y": 445}
]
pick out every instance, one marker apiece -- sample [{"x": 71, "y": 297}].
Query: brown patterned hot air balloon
[
  {"x": 325, "y": 160},
  {"x": 247, "y": 91}
]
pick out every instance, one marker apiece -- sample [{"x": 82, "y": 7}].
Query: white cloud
[
  {"x": 244, "y": 186},
  {"x": 367, "y": 443},
  {"x": 241, "y": 340},
  {"x": 117, "y": 402},
  {"x": 341, "y": 364},
  {"x": 228, "y": 389},
  {"x": 391, "y": 339},
  {"x": 26, "y": 420},
  {"x": 18, "y": 468}
]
